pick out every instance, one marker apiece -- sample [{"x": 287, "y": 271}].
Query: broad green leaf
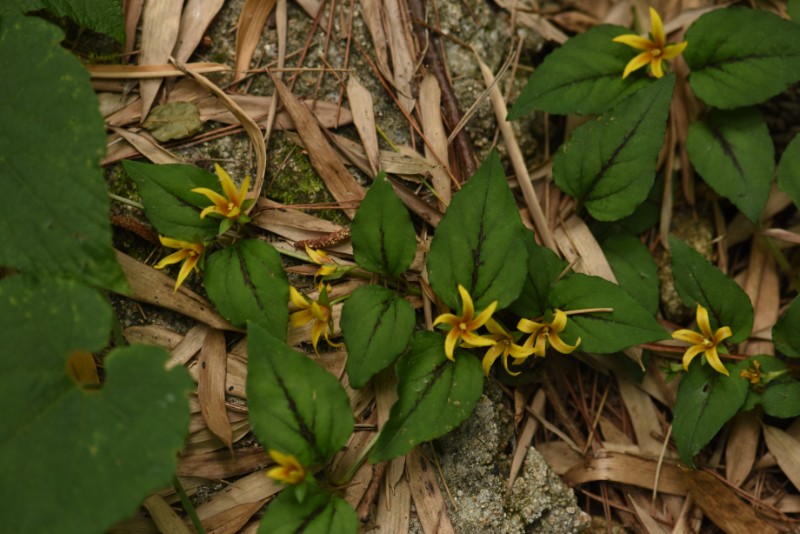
[
  {"x": 786, "y": 332},
  {"x": 377, "y": 325},
  {"x": 318, "y": 513},
  {"x": 769, "y": 364},
  {"x": 101, "y": 16},
  {"x": 544, "y": 267},
  {"x": 296, "y": 406},
  {"x": 780, "y": 397},
  {"x": 584, "y": 76},
  {"x": 733, "y": 152},
  {"x": 603, "y": 332},
  {"x": 435, "y": 395},
  {"x": 635, "y": 269},
  {"x": 246, "y": 282},
  {"x": 740, "y": 57},
  {"x": 706, "y": 400},
  {"x": 98, "y": 452},
  {"x": 610, "y": 163},
  {"x": 789, "y": 170},
  {"x": 644, "y": 217},
  {"x": 169, "y": 203},
  {"x": 697, "y": 281},
  {"x": 384, "y": 240},
  {"x": 480, "y": 242},
  {"x": 794, "y": 10},
  {"x": 53, "y": 199}
]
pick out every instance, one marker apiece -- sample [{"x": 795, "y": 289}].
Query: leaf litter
[{"x": 605, "y": 433}]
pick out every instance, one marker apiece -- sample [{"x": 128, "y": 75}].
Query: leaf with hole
[
  {"x": 609, "y": 165},
  {"x": 98, "y": 450},
  {"x": 733, "y": 152},
  {"x": 384, "y": 240},
  {"x": 584, "y": 76},
  {"x": 740, "y": 56},
  {"x": 52, "y": 139},
  {"x": 434, "y": 394},
  {"x": 698, "y": 281},
  {"x": 377, "y": 325},
  {"x": 296, "y": 406},
  {"x": 480, "y": 242},
  {"x": 246, "y": 282}
]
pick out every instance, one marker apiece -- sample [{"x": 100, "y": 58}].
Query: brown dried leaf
[
  {"x": 211, "y": 386},
  {"x": 144, "y": 143},
  {"x": 385, "y": 386},
  {"x": 190, "y": 345},
  {"x": 82, "y": 368},
  {"x": 363, "y": 111},
  {"x": 252, "y": 20},
  {"x": 164, "y": 516},
  {"x": 430, "y": 110},
  {"x": 394, "y": 508},
  {"x": 640, "y": 506},
  {"x": 401, "y": 51},
  {"x": 324, "y": 159},
  {"x": 146, "y": 72},
  {"x": 742, "y": 445},
  {"x": 154, "y": 287},
  {"x": 629, "y": 470},
  {"x": 233, "y": 519},
  {"x": 132, "y": 13},
  {"x": 160, "y": 24},
  {"x": 153, "y": 334},
  {"x": 235, "y": 378},
  {"x": 526, "y": 436},
  {"x": 643, "y": 415},
  {"x": 216, "y": 465},
  {"x": 253, "y": 488},
  {"x": 197, "y": 15},
  {"x": 723, "y": 506},
  {"x": 427, "y": 496},
  {"x": 786, "y": 451},
  {"x": 373, "y": 18},
  {"x": 328, "y": 114}
]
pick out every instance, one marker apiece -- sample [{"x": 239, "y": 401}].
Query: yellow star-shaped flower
[
  {"x": 541, "y": 333},
  {"x": 229, "y": 206},
  {"x": 704, "y": 342},
  {"x": 312, "y": 310},
  {"x": 655, "y": 50},
  {"x": 289, "y": 470},
  {"x": 504, "y": 346},
  {"x": 326, "y": 264},
  {"x": 188, "y": 253},
  {"x": 463, "y": 327}
]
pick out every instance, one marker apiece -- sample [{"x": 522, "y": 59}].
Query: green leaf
[
  {"x": 635, "y": 269},
  {"x": 384, "y": 240},
  {"x": 480, "y": 242},
  {"x": 706, "y": 400},
  {"x": 603, "y": 332},
  {"x": 740, "y": 57},
  {"x": 101, "y": 451},
  {"x": 376, "y": 325},
  {"x": 169, "y": 203},
  {"x": 733, "y": 152},
  {"x": 789, "y": 170},
  {"x": 610, "y": 163},
  {"x": 53, "y": 199},
  {"x": 296, "y": 406},
  {"x": 755, "y": 396},
  {"x": 435, "y": 395},
  {"x": 794, "y": 10},
  {"x": 698, "y": 281},
  {"x": 780, "y": 396},
  {"x": 544, "y": 267},
  {"x": 318, "y": 513},
  {"x": 644, "y": 217},
  {"x": 246, "y": 282},
  {"x": 584, "y": 76},
  {"x": 100, "y": 16},
  {"x": 786, "y": 332}
]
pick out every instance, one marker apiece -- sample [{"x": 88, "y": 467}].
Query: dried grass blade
[
  {"x": 250, "y": 127},
  {"x": 164, "y": 516},
  {"x": 723, "y": 506},
  {"x": 362, "y": 107},
  {"x": 153, "y": 335},
  {"x": 536, "y": 406},
  {"x": 253, "y": 488},
  {"x": 371, "y": 12},
  {"x": 324, "y": 159},
  {"x": 786, "y": 451},
  {"x": 144, "y": 72},
  {"x": 629, "y": 470},
  {"x": 402, "y": 54},
  {"x": 428, "y": 500},
  {"x": 211, "y": 386},
  {"x": 645, "y": 518},
  {"x": 763, "y": 287},
  {"x": 132, "y": 13},
  {"x": 190, "y": 345},
  {"x": 147, "y": 146},
  {"x": 160, "y": 24},
  {"x": 385, "y": 385},
  {"x": 430, "y": 110},
  {"x": 394, "y": 508},
  {"x": 235, "y": 378},
  {"x": 154, "y": 287},
  {"x": 232, "y": 520},
  {"x": 216, "y": 465},
  {"x": 742, "y": 445},
  {"x": 643, "y": 415},
  {"x": 197, "y": 15},
  {"x": 251, "y": 23}
]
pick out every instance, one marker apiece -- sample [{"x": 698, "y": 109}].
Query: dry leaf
[
  {"x": 160, "y": 24},
  {"x": 427, "y": 496},
  {"x": 643, "y": 416},
  {"x": 742, "y": 445},
  {"x": 211, "y": 386},
  {"x": 394, "y": 508},
  {"x": 147, "y": 146},
  {"x": 164, "y": 516},
  {"x": 401, "y": 52},
  {"x": 190, "y": 345},
  {"x": 628, "y": 470},
  {"x": 363, "y": 111},
  {"x": 146, "y": 72},
  {"x": 786, "y": 451},
  {"x": 220, "y": 464},
  {"x": 253, "y": 488},
  {"x": 252, "y": 20},
  {"x": 197, "y": 15},
  {"x": 430, "y": 110}
]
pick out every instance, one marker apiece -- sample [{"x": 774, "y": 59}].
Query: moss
[{"x": 120, "y": 184}]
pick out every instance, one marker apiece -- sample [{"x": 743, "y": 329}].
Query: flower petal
[
  {"x": 713, "y": 360},
  {"x": 218, "y": 200},
  {"x": 635, "y": 41},
  {"x": 175, "y": 257},
  {"x": 317, "y": 329},
  {"x": 226, "y": 182},
  {"x": 655, "y": 67},
  {"x": 476, "y": 340},
  {"x": 297, "y": 299},
  {"x": 557, "y": 343},
  {"x": 243, "y": 190},
  {"x": 559, "y": 321},
  {"x": 723, "y": 333},
  {"x": 529, "y": 327},
  {"x": 495, "y": 328},
  {"x": 299, "y": 318},
  {"x": 657, "y": 28},
  {"x": 186, "y": 269},
  {"x": 318, "y": 256},
  {"x": 490, "y": 357},
  {"x": 450, "y": 343},
  {"x": 636, "y": 63},
  {"x": 211, "y": 209},
  {"x": 702, "y": 322},
  {"x": 690, "y": 336},
  {"x": 467, "y": 309},
  {"x": 447, "y": 318},
  {"x": 673, "y": 51},
  {"x": 690, "y": 353},
  {"x": 484, "y": 316}
]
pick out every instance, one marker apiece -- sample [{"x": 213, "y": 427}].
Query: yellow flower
[
  {"x": 188, "y": 253},
  {"x": 541, "y": 333},
  {"x": 312, "y": 310},
  {"x": 705, "y": 342},
  {"x": 230, "y": 205},
  {"x": 327, "y": 265},
  {"x": 655, "y": 50},
  {"x": 289, "y": 470},
  {"x": 503, "y": 346},
  {"x": 462, "y": 327},
  {"x": 753, "y": 373}
]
